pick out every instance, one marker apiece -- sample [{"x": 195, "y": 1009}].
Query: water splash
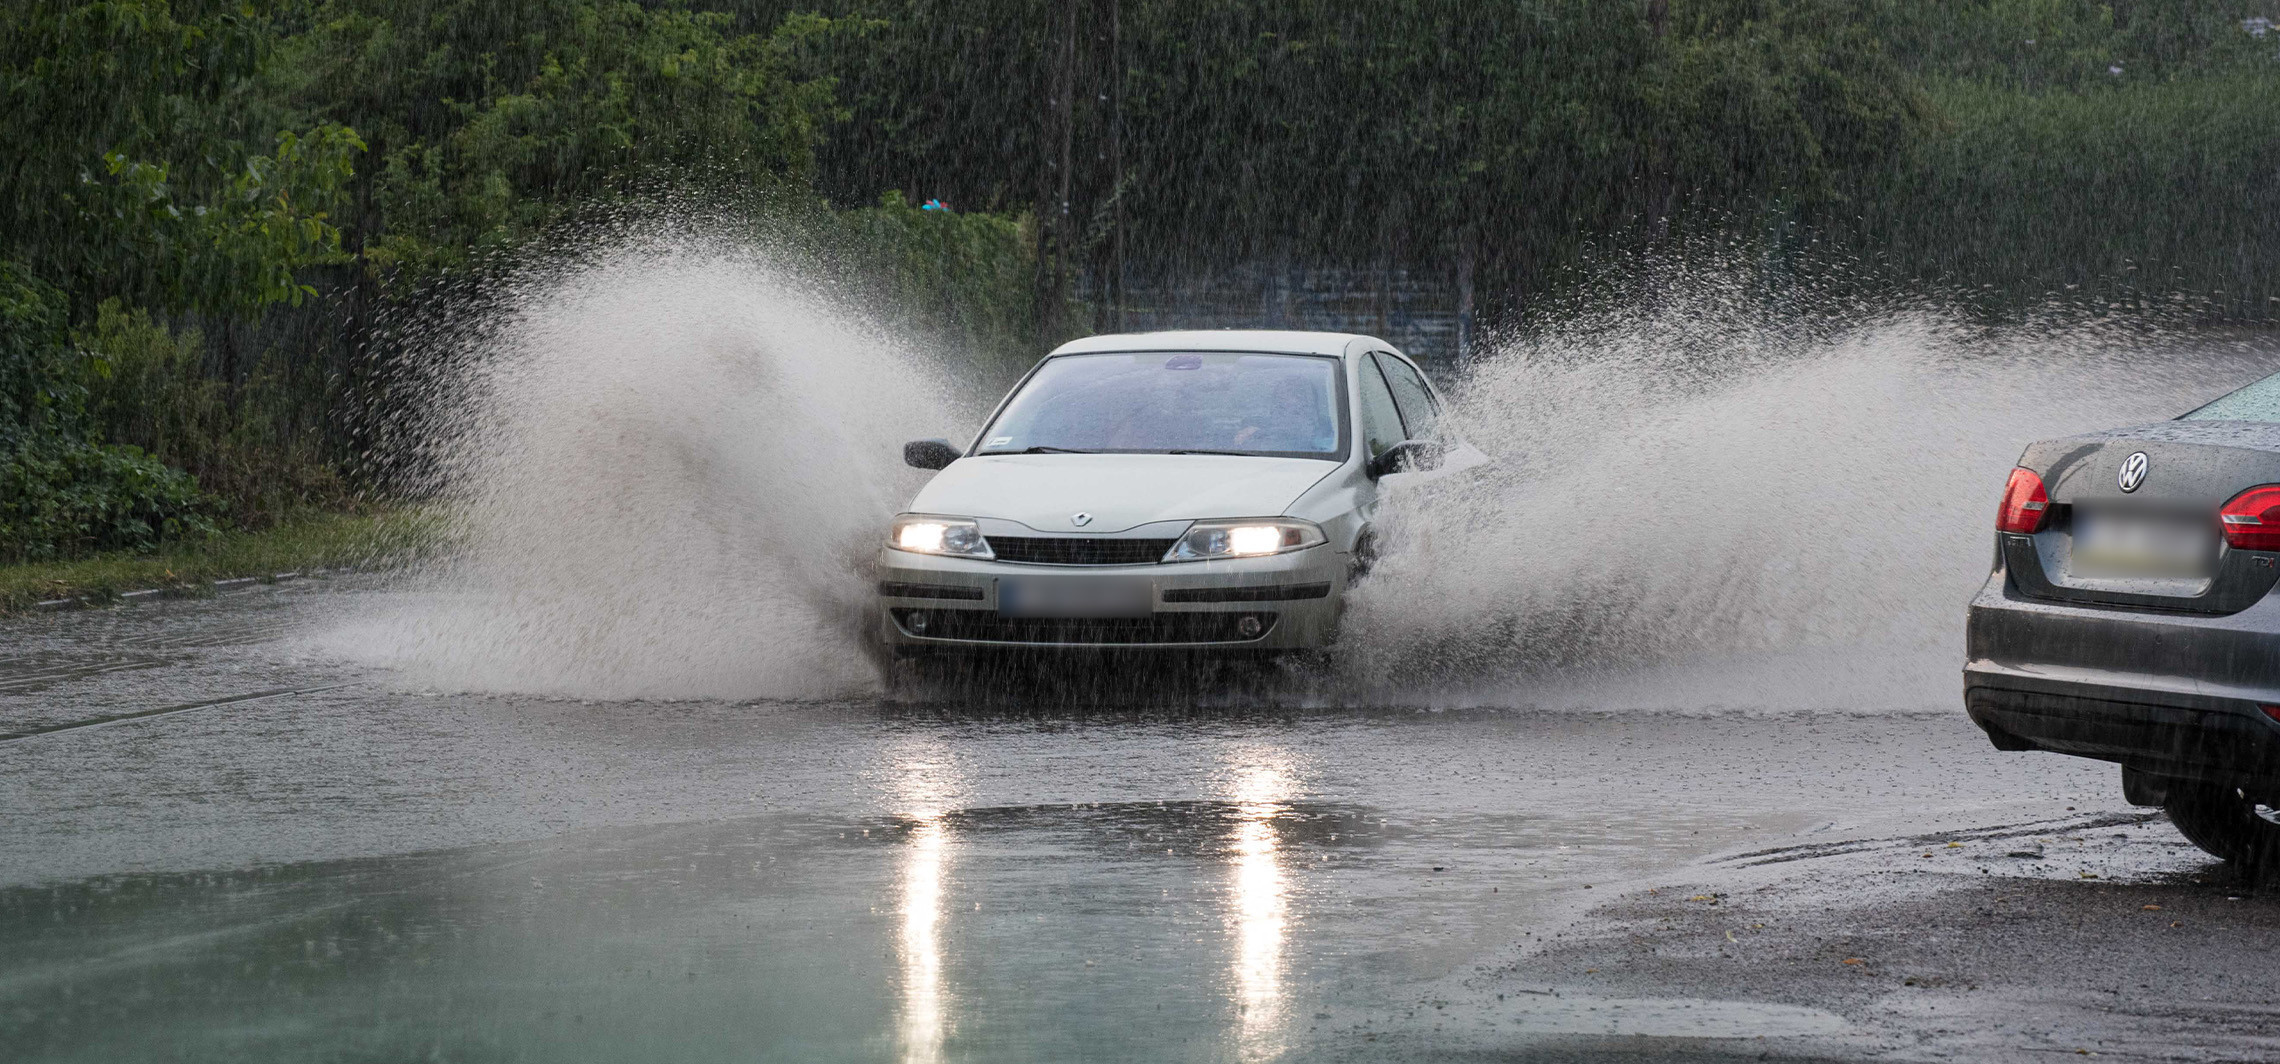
[
  {"x": 670, "y": 463},
  {"x": 1704, "y": 504},
  {"x": 668, "y": 467}
]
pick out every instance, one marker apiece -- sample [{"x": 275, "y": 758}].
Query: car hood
[{"x": 1120, "y": 490}]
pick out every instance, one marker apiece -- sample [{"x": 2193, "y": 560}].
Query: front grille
[
  {"x": 986, "y": 627},
  {"x": 1079, "y": 550}
]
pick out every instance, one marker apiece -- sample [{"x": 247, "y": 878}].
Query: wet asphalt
[{"x": 285, "y": 856}]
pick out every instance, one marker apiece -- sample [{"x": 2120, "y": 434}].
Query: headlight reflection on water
[
  {"x": 927, "y": 782},
  {"x": 1260, "y": 911},
  {"x": 925, "y": 1005}
]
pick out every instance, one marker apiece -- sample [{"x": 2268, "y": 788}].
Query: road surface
[{"x": 288, "y": 856}]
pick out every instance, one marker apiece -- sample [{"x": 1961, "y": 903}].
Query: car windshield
[
  {"x": 2257, "y": 402},
  {"x": 1165, "y": 402}
]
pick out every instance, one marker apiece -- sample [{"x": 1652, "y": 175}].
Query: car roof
[{"x": 1261, "y": 340}]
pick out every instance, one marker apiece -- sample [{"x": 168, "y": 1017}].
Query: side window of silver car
[
  {"x": 1415, "y": 400},
  {"x": 1381, "y": 419}
]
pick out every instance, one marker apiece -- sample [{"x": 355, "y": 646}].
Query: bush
[
  {"x": 61, "y": 494},
  {"x": 965, "y": 274},
  {"x": 37, "y": 389},
  {"x": 257, "y": 453},
  {"x": 2129, "y": 191},
  {"x": 62, "y": 498}
]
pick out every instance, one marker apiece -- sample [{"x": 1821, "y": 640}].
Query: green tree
[
  {"x": 132, "y": 171},
  {"x": 489, "y": 119},
  {"x": 1427, "y": 133}
]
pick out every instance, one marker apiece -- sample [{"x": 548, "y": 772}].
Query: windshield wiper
[
  {"x": 1237, "y": 454},
  {"x": 1048, "y": 450}
]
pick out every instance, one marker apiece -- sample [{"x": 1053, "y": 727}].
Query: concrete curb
[{"x": 81, "y": 602}]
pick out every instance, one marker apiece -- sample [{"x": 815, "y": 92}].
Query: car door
[
  {"x": 1382, "y": 425},
  {"x": 1377, "y": 428},
  {"x": 1419, "y": 408}
]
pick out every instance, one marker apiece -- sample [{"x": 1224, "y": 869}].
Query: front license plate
[
  {"x": 2126, "y": 544},
  {"x": 1083, "y": 597}
]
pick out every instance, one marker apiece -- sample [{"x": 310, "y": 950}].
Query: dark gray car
[{"x": 2130, "y": 618}]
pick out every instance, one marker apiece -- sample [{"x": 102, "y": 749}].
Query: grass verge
[{"x": 303, "y": 542}]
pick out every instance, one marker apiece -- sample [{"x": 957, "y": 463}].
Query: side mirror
[
  {"x": 1406, "y": 456},
  {"x": 929, "y": 454}
]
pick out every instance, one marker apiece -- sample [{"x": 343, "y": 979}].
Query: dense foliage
[
  {"x": 964, "y": 275},
  {"x": 62, "y": 490},
  {"x": 185, "y": 175},
  {"x": 1988, "y": 146},
  {"x": 210, "y": 206},
  {"x": 485, "y": 119},
  {"x": 2114, "y": 154}
]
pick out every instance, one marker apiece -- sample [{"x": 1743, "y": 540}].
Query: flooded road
[{"x": 349, "y": 868}]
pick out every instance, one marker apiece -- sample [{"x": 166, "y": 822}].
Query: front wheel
[
  {"x": 1365, "y": 557},
  {"x": 2229, "y": 824}
]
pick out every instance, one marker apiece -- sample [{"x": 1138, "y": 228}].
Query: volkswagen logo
[
  {"x": 1081, "y": 519},
  {"x": 2133, "y": 472}
]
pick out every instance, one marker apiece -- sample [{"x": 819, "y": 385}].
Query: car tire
[
  {"x": 1365, "y": 557},
  {"x": 910, "y": 673},
  {"x": 2227, "y": 824}
]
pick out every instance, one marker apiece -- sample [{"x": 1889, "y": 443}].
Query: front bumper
[
  {"x": 1293, "y": 599},
  {"x": 2171, "y": 694}
]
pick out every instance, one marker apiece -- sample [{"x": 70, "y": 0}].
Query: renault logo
[
  {"x": 2133, "y": 472},
  {"x": 1082, "y": 519}
]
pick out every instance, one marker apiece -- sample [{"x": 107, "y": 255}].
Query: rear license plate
[
  {"x": 2126, "y": 544},
  {"x": 1090, "y": 597}
]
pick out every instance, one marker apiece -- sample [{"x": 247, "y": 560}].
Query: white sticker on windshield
[{"x": 1000, "y": 441}]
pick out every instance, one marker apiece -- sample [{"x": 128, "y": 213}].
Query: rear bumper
[
  {"x": 1293, "y": 599},
  {"x": 2232, "y": 745},
  {"x": 2170, "y": 694}
]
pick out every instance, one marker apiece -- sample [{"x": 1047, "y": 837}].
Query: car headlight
[
  {"x": 1248, "y": 538},
  {"x": 925, "y": 534}
]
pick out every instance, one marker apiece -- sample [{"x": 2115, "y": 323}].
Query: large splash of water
[
  {"x": 670, "y": 465},
  {"x": 666, "y": 468},
  {"x": 1706, "y": 504}
]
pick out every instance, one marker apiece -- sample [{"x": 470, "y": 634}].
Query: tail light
[
  {"x": 2252, "y": 519},
  {"x": 2026, "y": 505}
]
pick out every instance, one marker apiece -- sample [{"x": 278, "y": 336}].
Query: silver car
[{"x": 1175, "y": 490}]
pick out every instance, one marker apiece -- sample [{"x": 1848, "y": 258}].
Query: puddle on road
[
  {"x": 1044, "y": 933},
  {"x": 922, "y": 882},
  {"x": 32, "y": 673},
  {"x": 1210, "y": 929},
  {"x": 75, "y": 664}
]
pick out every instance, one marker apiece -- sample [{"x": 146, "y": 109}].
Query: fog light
[
  {"x": 1249, "y": 627},
  {"x": 916, "y": 622}
]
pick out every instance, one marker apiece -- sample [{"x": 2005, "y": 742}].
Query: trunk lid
[
  {"x": 2126, "y": 530},
  {"x": 2197, "y": 464}
]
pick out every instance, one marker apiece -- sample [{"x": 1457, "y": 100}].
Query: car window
[
  {"x": 1381, "y": 419},
  {"x": 1157, "y": 402},
  {"x": 1418, "y": 413},
  {"x": 2257, "y": 402}
]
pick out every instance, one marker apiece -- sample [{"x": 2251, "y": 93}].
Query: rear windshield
[
  {"x": 2257, "y": 402},
  {"x": 1164, "y": 402}
]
